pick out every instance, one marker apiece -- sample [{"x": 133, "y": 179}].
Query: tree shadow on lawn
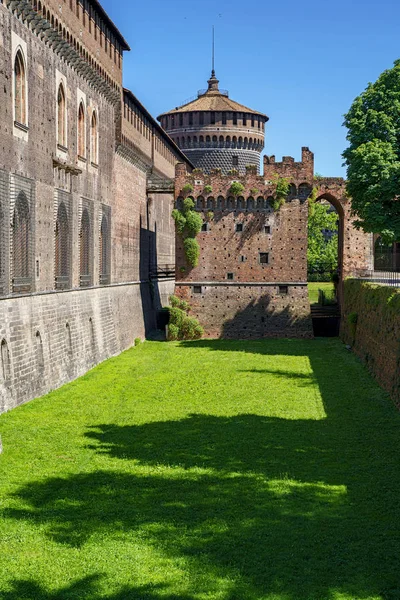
[
  {"x": 287, "y": 509},
  {"x": 87, "y": 588}
]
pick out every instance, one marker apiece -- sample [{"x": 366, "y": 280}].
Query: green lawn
[
  {"x": 313, "y": 288},
  {"x": 205, "y": 470}
]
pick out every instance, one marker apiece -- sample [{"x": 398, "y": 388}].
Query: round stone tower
[{"x": 215, "y": 131}]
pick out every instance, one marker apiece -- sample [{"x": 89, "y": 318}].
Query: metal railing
[
  {"x": 161, "y": 271},
  {"x": 389, "y": 278}
]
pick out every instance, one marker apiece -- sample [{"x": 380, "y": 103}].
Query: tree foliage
[
  {"x": 181, "y": 325},
  {"x": 322, "y": 252},
  {"x": 373, "y": 156}
]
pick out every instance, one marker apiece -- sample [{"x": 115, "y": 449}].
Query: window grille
[
  {"x": 20, "y": 89},
  {"x": 85, "y": 271},
  {"x": 62, "y": 249},
  {"x": 105, "y": 247},
  {"x": 22, "y": 280}
]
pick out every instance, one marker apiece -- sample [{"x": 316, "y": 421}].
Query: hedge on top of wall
[{"x": 371, "y": 325}]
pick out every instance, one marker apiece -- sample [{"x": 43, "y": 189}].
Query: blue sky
[{"x": 300, "y": 62}]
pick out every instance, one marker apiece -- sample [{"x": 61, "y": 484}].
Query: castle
[{"x": 88, "y": 180}]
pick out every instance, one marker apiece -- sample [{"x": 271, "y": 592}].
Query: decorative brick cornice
[
  {"x": 132, "y": 156},
  {"x": 43, "y": 29}
]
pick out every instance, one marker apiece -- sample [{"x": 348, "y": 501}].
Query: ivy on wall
[{"x": 188, "y": 223}]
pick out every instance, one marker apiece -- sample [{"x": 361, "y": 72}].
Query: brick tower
[{"x": 217, "y": 132}]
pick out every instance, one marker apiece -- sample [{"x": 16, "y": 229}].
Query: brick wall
[{"x": 251, "y": 280}]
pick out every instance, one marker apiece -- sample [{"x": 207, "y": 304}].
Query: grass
[
  {"x": 205, "y": 470},
  {"x": 313, "y": 288}
]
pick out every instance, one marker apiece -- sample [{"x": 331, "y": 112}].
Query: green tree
[
  {"x": 322, "y": 253},
  {"x": 373, "y": 156}
]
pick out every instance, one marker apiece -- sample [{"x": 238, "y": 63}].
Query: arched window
[
  {"x": 21, "y": 245},
  {"x": 260, "y": 203},
  {"x": 240, "y": 204},
  {"x": 61, "y": 117},
  {"x": 304, "y": 191},
  {"x": 94, "y": 153},
  {"x": 5, "y": 360},
  {"x": 104, "y": 251},
  {"x": 85, "y": 275},
  {"x": 81, "y": 131},
  {"x": 250, "y": 203},
  {"x": 220, "y": 202},
  {"x": 20, "y": 112},
  {"x": 200, "y": 203},
  {"x": 210, "y": 203},
  {"x": 62, "y": 249}
]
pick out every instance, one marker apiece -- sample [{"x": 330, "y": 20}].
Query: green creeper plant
[
  {"x": 187, "y": 188},
  {"x": 207, "y": 189},
  {"x": 282, "y": 187},
  {"x": 188, "y": 224},
  {"x": 236, "y": 188}
]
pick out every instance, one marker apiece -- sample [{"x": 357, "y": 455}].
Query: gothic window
[
  {"x": 104, "y": 251},
  {"x": 94, "y": 152},
  {"x": 20, "y": 89},
  {"x": 61, "y": 117},
  {"x": 81, "y": 131},
  {"x": 21, "y": 245},
  {"x": 250, "y": 203},
  {"x": 62, "y": 249},
  {"x": 85, "y": 274}
]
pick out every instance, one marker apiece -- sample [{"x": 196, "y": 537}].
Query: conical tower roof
[{"x": 213, "y": 99}]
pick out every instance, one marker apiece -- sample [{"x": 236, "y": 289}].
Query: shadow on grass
[
  {"x": 284, "y": 509},
  {"x": 86, "y": 589}
]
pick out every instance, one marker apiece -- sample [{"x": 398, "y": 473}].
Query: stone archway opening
[
  {"x": 325, "y": 263},
  {"x": 331, "y": 213}
]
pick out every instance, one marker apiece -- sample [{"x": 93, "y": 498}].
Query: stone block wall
[{"x": 52, "y": 338}]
